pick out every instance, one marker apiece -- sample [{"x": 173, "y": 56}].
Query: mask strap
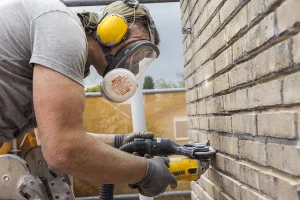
[
  {"x": 109, "y": 58},
  {"x": 131, "y": 3},
  {"x": 133, "y": 18},
  {"x": 151, "y": 25},
  {"x": 106, "y": 70}
]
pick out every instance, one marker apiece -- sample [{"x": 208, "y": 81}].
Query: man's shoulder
[{"x": 37, "y": 8}]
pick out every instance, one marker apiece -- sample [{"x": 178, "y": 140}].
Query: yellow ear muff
[{"x": 112, "y": 30}]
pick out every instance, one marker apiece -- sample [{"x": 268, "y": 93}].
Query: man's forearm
[
  {"x": 59, "y": 106},
  {"x": 92, "y": 160},
  {"x": 106, "y": 138}
]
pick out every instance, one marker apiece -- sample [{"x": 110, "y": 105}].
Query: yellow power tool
[{"x": 189, "y": 168}]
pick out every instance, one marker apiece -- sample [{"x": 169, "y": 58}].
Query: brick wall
[{"x": 242, "y": 76}]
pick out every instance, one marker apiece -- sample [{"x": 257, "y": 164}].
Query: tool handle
[
  {"x": 155, "y": 147},
  {"x": 185, "y": 169}
]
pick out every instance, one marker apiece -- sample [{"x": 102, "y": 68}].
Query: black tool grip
[{"x": 154, "y": 147}]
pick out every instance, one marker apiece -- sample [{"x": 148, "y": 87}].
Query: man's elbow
[{"x": 58, "y": 157}]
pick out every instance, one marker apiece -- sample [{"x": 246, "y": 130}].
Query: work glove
[
  {"x": 122, "y": 139},
  {"x": 157, "y": 178}
]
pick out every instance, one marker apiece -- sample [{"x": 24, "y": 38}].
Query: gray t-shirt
[{"x": 44, "y": 32}]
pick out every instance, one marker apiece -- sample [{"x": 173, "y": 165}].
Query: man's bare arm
[
  {"x": 106, "y": 138},
  {"x": 59, "y": 105},
  {"x": 121, "y": 139}
]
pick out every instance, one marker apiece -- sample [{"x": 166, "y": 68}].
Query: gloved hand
[
  {"x": 157, "y": 178},
  {"x": 122, "y": 139}
]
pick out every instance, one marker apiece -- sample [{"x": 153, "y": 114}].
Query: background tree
[
  {"x": 161, "y": 83},
  {"x": 181, "y": 80},
  {"x": 93, "y": 89},
  {"x": 148, "y": 83}
]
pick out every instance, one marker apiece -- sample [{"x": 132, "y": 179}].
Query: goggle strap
[
  {"x": 131, "y": 3},
  {"x": 108, "y": 56},
  {"x": 151, "y": 25},
  {"x": 107, "y": 52}
]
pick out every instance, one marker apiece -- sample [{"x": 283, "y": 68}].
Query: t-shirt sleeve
[{"x": 59, "y": 43}]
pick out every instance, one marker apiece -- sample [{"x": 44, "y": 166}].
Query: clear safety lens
[{"x": 140, "y": 60}]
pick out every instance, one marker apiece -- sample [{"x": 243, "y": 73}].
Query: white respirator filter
[{"x": 118, "y": 85}]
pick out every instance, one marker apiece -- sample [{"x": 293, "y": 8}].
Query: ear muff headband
[{"x": 112, "y": 30}]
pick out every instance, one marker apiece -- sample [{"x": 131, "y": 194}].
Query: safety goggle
[{"x": 136, "y": 57}]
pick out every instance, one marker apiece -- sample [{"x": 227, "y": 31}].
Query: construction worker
[{"x": 46, "y": 50}]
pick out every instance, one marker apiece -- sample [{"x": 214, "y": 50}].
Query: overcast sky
[{"x": 170, "y": 61}]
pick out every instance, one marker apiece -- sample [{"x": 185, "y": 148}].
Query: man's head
[
  {"x": 140, "y": 27},
  {"x": 122, "y": 43},
  {"x": 137, "y": 15}
]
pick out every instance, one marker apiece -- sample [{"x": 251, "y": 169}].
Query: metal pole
[
  {"x": 148, "y": 91},
  {"x": 74, "y": 3},
  {"x": 173, "y": 194},
  {"x": 138, "y": 117},
  {"x": 137, "y": 110}
]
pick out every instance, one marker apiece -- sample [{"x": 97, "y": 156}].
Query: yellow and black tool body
[
  {"x": 189, "y": 168},
  {"x": 186, "y": 169}
]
